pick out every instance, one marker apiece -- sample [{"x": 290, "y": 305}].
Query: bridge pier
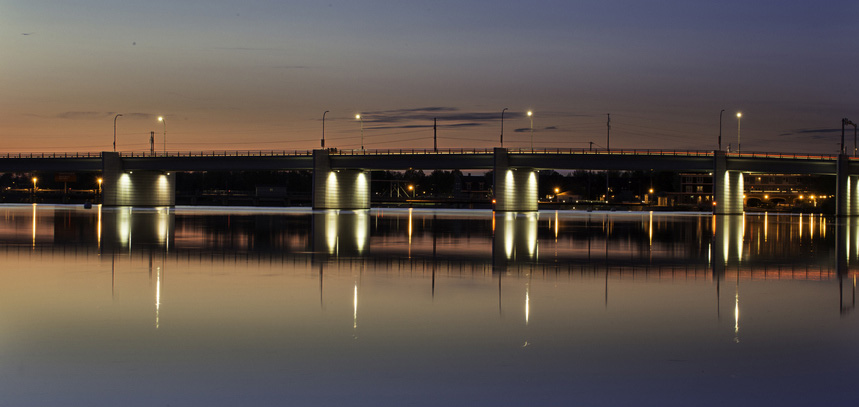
[
  {"x": 135, "y": 188},
  {"x": 847, "y": 189},
  {"x": 338, "y": 188},
  {"x": 515, "y": 188},
  {"x": 727, "y": 187}
]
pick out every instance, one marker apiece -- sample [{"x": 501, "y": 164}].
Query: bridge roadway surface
[{"x": 400, "y": 159}]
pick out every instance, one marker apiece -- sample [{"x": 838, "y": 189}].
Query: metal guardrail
[
  {"x": 51, "y": 155},
  {"x": 417, "y": 151}
]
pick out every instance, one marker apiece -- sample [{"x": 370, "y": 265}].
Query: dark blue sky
[{"x": 259, "y": 74}]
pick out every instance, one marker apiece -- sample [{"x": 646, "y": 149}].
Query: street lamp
[
  {"x": 114, "y": 131},
  {"x": 531, "y": 116},
  {"x": 99, "y": 185},
  {"x": 323, "y": 129},
  {"x": 502, "y": 126},
  {"x": 720, "y": 129},
  {"x": 164, "y": 121},
  {"x": 358, "y": 117},
  {"x": 739, "y": 116}
]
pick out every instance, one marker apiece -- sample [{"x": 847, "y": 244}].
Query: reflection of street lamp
[
  {"x": 114, "y": 131},
  {"x": 164, "y": 121},
  {"x": 358, "y": 117},
  {"x": 531, "y": 116}
]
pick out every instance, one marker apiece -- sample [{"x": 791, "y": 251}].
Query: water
[{"x": 193, "y": 306}]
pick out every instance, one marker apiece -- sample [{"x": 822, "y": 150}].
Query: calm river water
[{"x": 233, "y": 306}]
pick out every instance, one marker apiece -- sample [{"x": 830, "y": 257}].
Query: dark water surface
[{"x": 210, "y": 307}]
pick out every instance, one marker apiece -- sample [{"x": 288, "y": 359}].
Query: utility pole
[
  {"x": 720, "y": 129},
  {"x": 608, "y": 132},
  {"x": 607, "y": 144},
  {"x": 434, "y": 135}
]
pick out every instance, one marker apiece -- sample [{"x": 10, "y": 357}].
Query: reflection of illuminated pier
[
  {"x": 339, "y": 233},
  {"x": 515, "y": 238},
  {"x": 122, "y": 227}
]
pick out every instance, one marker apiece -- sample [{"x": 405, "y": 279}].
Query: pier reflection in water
[{"x": 256, "y": 306}]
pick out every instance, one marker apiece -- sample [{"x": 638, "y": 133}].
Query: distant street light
[
  {"x": 99, "y": 185},
  {"x": 114, "y": 131},
  {"x": 531, "y": 116},
  {"x": 323, "y": 129},
  {"x": 164, "y": 121},
  {"x": 739, "y": 116},
  {"x": 34, "y": 185},
  {"x": 358, "y": 116},
  {"x": 502, "y": 126}
]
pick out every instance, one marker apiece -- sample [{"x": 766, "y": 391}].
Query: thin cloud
[
  {"x": 83, "y": 115},
  {"x": 425, "y": 126}
]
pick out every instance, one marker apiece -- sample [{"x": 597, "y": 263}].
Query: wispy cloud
[
  {"x": 527, "y": 129},
  {"x": 446, "y": 116},
  {"x": 102, "y": 115}
]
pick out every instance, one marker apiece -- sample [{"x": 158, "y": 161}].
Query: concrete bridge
[{"x": 341, "y": 178}]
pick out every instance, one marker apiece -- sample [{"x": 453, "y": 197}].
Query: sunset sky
[{"x": 239, "y": 75}]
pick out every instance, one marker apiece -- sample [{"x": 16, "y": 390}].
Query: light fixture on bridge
[
  {"x": 164, "y": 121},
  {"x": 739, "y": 116},
  {"x": 531, "y": 116},
  {"x": 359, "y": 117}
]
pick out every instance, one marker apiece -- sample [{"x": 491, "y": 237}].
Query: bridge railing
[
  {"x": 218, "y": 153},
  {"x": 419, "y": 151},
  {"x": 50, "y": 155},
  {"x": 795, "y": 156}
]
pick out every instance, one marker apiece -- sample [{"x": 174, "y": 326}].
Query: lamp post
[
  {"x": 358, "y": 117},
  {"x": 99, "y": 185},
  {"x": 323, "y": 128},
  {"x": 531, "y": 116},
  {"x": 502, "y": 126},
  {"x": 114, "y": 131},
  {"x": 720, "y": 129},
  {"x": 739, "y": 116},
  {"x": 164, "y": 121},
  {"x": 34, "y": 188}
]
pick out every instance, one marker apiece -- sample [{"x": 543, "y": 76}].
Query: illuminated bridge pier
[{"x": 122, "y": 187}]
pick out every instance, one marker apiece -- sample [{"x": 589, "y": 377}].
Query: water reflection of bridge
[{"x": 629, "y": 245}]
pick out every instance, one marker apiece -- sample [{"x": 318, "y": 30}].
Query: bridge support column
[
  {"x": 727, "y": 187},
  {"x": 515, "y": 188},
  {"x": 847, "y": 189},
  {"x": 338, "y": 189},
  {"x": 135, "y": 188}
]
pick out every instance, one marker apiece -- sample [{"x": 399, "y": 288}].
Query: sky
[{"x": 258, "y": 75}]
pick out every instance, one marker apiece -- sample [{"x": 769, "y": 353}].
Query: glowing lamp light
[
  {"x": 739, "y": 114},
  {"x": 530, "y": 113}
]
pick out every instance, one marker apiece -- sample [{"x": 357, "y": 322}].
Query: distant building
[{"x": 760, "y": 190}]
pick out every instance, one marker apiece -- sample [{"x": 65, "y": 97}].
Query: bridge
[{"x": 341, "y": 178}]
